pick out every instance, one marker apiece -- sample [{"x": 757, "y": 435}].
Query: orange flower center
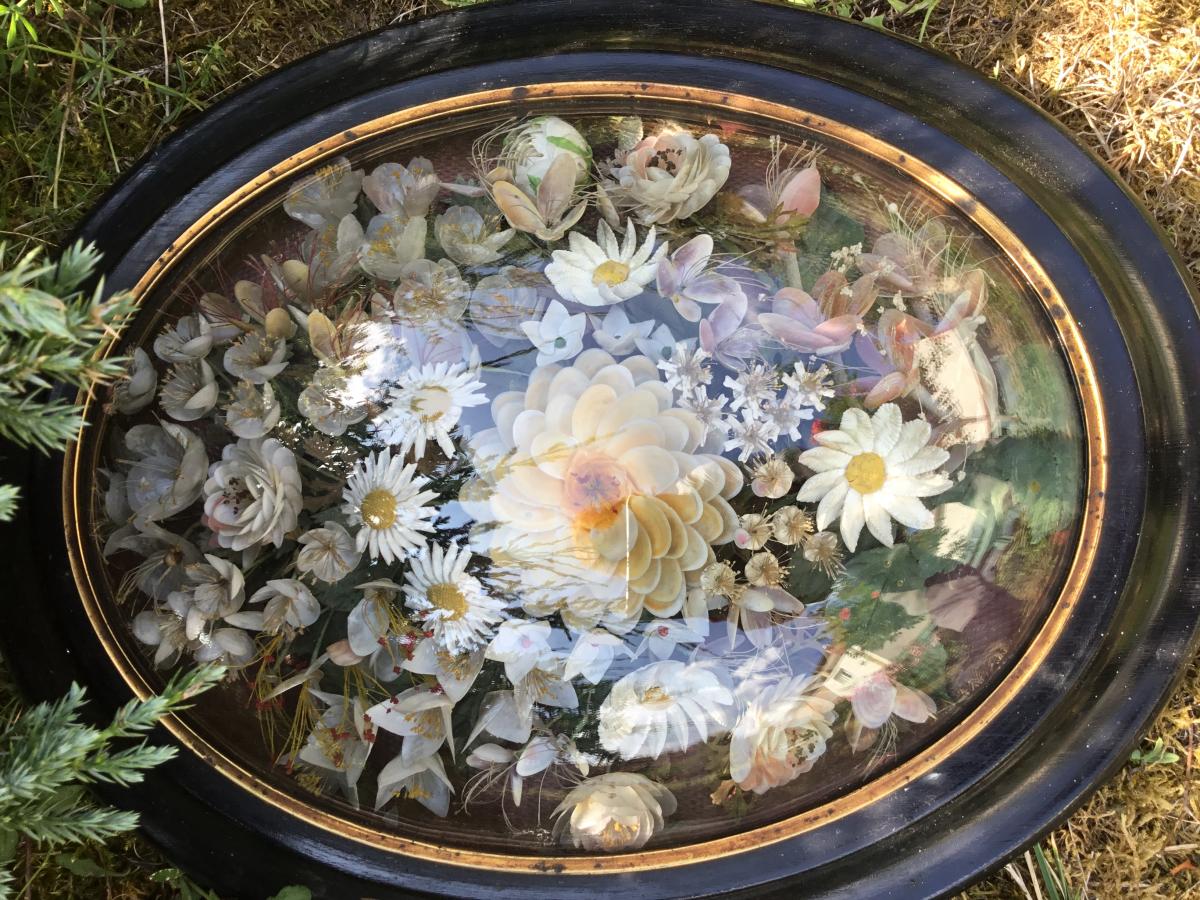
[{"x": 594, "y": 490}]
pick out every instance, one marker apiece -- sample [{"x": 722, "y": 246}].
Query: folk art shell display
[{"x": 603, "y": 480}]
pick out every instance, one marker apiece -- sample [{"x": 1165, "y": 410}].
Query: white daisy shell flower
[
  {"x": 666, "y": 707},
  {"x": 385, "y": 501},
  {"x": 188, "y": 339},
  {"x": 614, "y": 811},
  {"x": 468, "y": 239},
  {"x": 592, "y": 494},
  {"x": 603, "y": 272},
  {"x": 256, "y": 358},
  {"x": 670, "y": 176},
  {"x": 135, "y": 391},
  {"x": 451, "y": 604},
  {"x": 253, "y": 494},
  {"x": 167, "y": 474},
  {"x": 780, "y": 735},
  {"x": 328, "y": 195},
  {"x": 189, "y": 391},
  {"x": 251, "y": 413},
  {"x": 874, "y": 469},
  {"x": 289, "y": 605},
  {"x": 425, "y": 404},
  {"x": 558, "y": 336},
  {"x": 327, "y": 553}
]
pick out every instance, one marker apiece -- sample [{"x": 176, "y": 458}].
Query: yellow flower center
[
  {"x": 656, "y": 696},
  {"x": 431, "y": 403},
  {"x": 378, "y": 509},
  {"x": 866, "y": 473},
  {"x": 449, "y": 598},
  {"x": 617, "y": 835},
  {"x": 610, "y": 272}
]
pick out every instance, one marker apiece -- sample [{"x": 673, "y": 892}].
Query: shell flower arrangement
[{"x": 581, "y": 475}]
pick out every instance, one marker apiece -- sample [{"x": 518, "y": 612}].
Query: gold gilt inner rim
[{"x": 81, "y": 460}]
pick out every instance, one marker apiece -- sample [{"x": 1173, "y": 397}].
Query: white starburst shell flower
[
  {"x": 780, "y": 735},
  {"x": 385, "y": 501},
  {"x": 603, "y": 271},
  {"x": 327, "y": 553},
  {"x": 451, "y": 604},
  {"x": 666, "y": 707},
  {"x": 871, "y": 470},
  {"x": 426, "y": 403},
  {"x": 614, "y": 811},
  {"x": 253, "y": 494},
  {"x": 558, "y": 335}
]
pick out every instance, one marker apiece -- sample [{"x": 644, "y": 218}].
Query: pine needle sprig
[
  {"x": 52, "y": 333},
  {"x": 47, "y": 755}
]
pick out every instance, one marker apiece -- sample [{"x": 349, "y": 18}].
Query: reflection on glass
[{"x": 607, "y": 484}]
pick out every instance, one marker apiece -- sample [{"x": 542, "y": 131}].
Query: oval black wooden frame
[{"x": 1070, "y": 725}]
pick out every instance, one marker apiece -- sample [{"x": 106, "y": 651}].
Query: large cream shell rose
[{"x": 594, "y": 500}]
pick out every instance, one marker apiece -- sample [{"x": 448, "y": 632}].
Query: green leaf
[
  {"x": 563, "y": 143},
  {"x": 828, "y": 230},
  {"x": 1042, "y": 468},
  {"x": 871, "y": 625},
  {"x": 927, "y": 672},
  {"x": 81, "y": 866},
  {"x": 8, "y": 844},
  {"x": 293, "y": 892},
  {"x": 1048, "y": 878},
  {"x": 534, "y": 181}
]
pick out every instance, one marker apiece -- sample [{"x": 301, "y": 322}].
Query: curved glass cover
[{"x": 588, "y": 483}]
